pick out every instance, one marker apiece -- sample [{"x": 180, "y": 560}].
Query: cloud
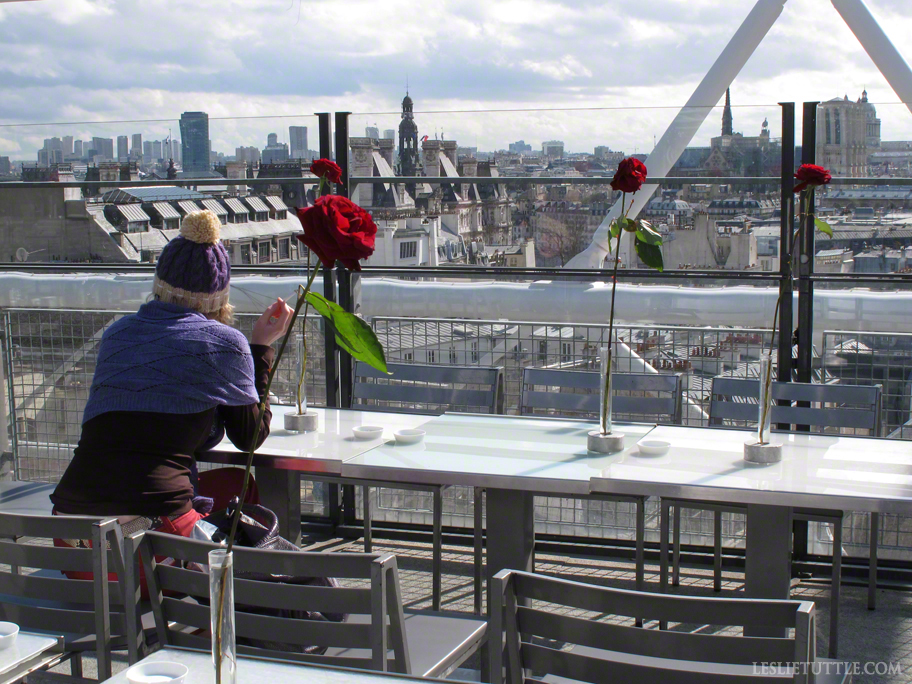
[{"x": 82, "y": 60}]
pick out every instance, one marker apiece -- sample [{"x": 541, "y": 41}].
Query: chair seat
[
  {"x": 831, "y": 671},
  {"x": 437, "y": 642},
  {"x": 26, "y": 498}
]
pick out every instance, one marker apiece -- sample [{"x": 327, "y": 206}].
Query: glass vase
[
  {"x": 302, "y": 368},
  {"x": 766, "y": 399},
  {"x": 605, "y": 390},
  {"x": 221, "y": 607}
]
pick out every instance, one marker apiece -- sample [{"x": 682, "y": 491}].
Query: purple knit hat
[{"x": 194, "y": 269}]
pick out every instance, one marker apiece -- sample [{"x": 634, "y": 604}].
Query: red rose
[
  {"x": 631, "y": 174},
  {"x": 327, "y": 168},
  {"x": 337, "y": 229},
  {"x": 811, "y": 175}
]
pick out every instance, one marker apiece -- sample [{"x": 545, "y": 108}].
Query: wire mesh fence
[{"x": 50, "y": 355}]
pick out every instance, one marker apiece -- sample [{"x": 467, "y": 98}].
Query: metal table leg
[
  {"x": 769, "y": 556},
  {"x": 511, "y": 532},
  {"x": 280, "y": 491}
]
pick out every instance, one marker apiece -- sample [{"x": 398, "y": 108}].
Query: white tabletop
[
  {"x": 320, "y": 451},
  {"x": 29, "y": 650},
  {"x": 264, "y": 671},
  {"x": 504, "y": 452},
  {"x": 822, "y": 471}
]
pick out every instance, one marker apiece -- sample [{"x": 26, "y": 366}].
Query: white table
[
  {"x": 514, "y": 458},
  {"x": 31, "y": 652},
  {"x": 816, "y": 471},
  {"x": 284, "y": 455},
  {"x": 26, "y": 498},
  {"x": 265, "y": 671}
]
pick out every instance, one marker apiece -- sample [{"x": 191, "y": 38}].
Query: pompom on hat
[{"x": 194, "y": 269}]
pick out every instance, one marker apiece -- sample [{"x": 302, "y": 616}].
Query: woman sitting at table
[{"x": 171, "y": 380}]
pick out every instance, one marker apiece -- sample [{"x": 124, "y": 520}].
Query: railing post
[
  {"x": 342, "y": 152},
  {"x": 806, "y": 251}
]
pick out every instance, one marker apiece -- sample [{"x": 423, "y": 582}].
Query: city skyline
[{"x": 468, "y": 57}]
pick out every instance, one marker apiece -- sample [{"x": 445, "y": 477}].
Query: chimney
[
  {"x": 449, "y": 149},
  {"x": 387, "y": 146},
  {"x": 362, "y": 164},
  {"x": 236, "y": 170},
  {"x": 430, "y": 160}
]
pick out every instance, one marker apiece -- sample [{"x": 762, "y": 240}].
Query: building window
[
  {"x": 838, "y": 129},
  {"x": 408, "y": 250},
  {"x": 284, "y": 248},
  {"x": 407, "y": 356},
  {"x": 827, "y": 126},
  {"x": 474, "y": 352},
  {"x": 543, "y": 352},
  {"x": 566, "y": 352},
  {"x": 453, "y": 359},
  {"x": 263, "y": 254},
  {"x": 245, "y": 254},
  {"x": 432, "y": 356}
]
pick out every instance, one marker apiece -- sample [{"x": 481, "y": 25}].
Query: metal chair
[
  {"x": 377, "y": 635},
  {"x": 420, "y": 388},
  {"x": 90, "y": 613},
  {"x": 638, "y": 396},
  {"x": 735, "y": 402},
  {"x": 607, "y": 651}
]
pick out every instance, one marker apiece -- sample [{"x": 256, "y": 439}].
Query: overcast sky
[{"x": 101, "y": 60}]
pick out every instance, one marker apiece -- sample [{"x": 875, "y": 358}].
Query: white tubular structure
[
  {"x": 875, "y": 42},
  {"x": 688, "y": 121},
  {"x": 552, "y": 301}
]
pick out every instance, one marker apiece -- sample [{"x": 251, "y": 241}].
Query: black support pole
[
  {"x": 786, "y": 226},
  {"x": 806, "y": 251}
]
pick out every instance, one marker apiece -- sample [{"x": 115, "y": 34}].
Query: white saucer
[
  {"x": 410, "y": 436},
  {"x": 653, "y": 447}
]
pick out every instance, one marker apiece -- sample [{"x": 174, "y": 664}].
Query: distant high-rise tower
[
  {"x": 194, "y": 127},
  {"x": 297, "y": 141},
  {"x": 727, "y": 114},
  {"x": 389, "y": 134},
  {"x": 137, "y": 147},
  {"x": 272, "y": 139},
  {"x": 408, "y": 139},
  {"x": 123, "y": 150},
  {"x": 372, "y": 132},
  {"x": 77, "y": 148},
  {"x": 68, "y": 144}
]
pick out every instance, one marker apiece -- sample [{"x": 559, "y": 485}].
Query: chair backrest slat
[
  {"x": 665, "y": 407},
  {"x": 264, "y": 610},
  {"x": 601, "y": 650},
  {"x": 856, "y": 407},
  {"x": 443, "y": 388},
  {"x": 44, "y": 599}
]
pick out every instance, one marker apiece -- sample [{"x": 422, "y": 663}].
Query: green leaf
[
  {"x": 352, "y": 334},
  {"x": 823, "y": 226},
  {"x": 615, "y": 229},
  {"x": 651, "y": 255},
  {"x": 627, "y": 224},
  {"x": 647, "y": 234}
]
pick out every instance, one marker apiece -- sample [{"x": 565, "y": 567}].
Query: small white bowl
[
  {"x": 409, "y": 436},
  {"x": 158, "y": 672},
  {"x": 8, "y": 633},
  {"x": 653, "y": 447},
  {"x": 367, "y": 431}
]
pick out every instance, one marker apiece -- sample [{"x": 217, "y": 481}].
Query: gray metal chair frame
[
  {"x": 736, "y": 400},
  {"x": 563, "y": 403},
  {"x": 605, "y": 652},
  {"x": 375, "y": 391},
  {"x": 378, "y": 634},
  {"x": 91, "y": 613}
]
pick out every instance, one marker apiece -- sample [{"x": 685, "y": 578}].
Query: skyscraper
[
  {"x": 137, "y": 149},
  {"x": 104, "y": 147},
  {"x": 389, "y": 134},
  {"x": 372, "y": 132},
  {"x": 297, "y": 139},
  {"x": 123, "y": 148},
  {"x": 176, "y": 151},
  {"x": 272, "y": 140},
  {"x": 67, "y": 145},
  {"x": 77, "y": 148},
  {"x": 194, "y": 127}
]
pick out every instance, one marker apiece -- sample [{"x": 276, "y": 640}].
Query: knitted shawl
[{"x": 170, "y": 359}]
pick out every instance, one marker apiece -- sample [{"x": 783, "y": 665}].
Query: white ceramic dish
[
  {"x": 653, "y": 447},
  {"x": 8, "y": 633},
  {"x": 367, "y": 431},
  {"x": 411, "y": 436},
  {"x": 160, "y": 672}
]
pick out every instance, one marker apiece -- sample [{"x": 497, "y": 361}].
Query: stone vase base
[
  {"x": 754, "y": 452},
  {"x": 605, "y": 444},
  {"x": 301, "y": 422}
]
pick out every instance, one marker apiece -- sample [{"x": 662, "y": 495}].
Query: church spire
[{"x": 727, "y": 114}]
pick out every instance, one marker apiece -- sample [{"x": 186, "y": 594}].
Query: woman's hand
[{"x": 272, "y": 324}]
